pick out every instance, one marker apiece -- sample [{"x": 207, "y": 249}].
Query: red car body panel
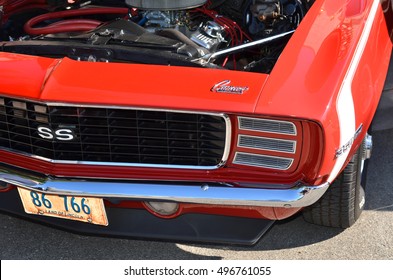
[{"x": 129, "y": 85}]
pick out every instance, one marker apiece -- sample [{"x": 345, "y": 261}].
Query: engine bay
[{"x": 243, "y": 35}]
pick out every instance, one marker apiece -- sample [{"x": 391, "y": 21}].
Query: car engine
[{"x": 243, "y": 35}]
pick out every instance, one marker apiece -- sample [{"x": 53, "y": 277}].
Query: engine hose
[
  {"x": 23, "y": 4},
  {"x": 19, "y": 7},
  {"x": 71, "y": 25}
]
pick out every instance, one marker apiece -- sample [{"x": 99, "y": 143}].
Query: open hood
[{"x": 236, "y": 35}]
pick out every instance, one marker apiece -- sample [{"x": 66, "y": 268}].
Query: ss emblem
[{"x": 62, "y": 134}]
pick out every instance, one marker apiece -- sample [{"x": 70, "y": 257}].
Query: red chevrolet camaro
[{"x": 191, "y": 120}]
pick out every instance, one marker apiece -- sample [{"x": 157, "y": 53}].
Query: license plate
[{"x": 84, "y": 209}]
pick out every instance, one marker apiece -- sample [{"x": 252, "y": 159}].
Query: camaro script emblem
[{"x": 226, "y": 87}]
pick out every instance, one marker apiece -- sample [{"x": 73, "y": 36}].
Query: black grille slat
[
  {"x": 125, "y": 150},
  {"x": 113, "y": 135}
]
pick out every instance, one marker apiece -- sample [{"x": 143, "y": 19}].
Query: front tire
[{"x": 343, "y": 202}]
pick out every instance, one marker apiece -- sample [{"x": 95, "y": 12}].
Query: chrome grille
[
  {"x": 267, "y": 144},
  {"x": 265, "y": 125},
  {"x": 263, "y": 161},
  {"x": 266, "y": 135},
  {"x": 115, "y": 136}
]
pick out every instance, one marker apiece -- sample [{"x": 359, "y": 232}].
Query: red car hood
[{"x": 181, "y": 88}]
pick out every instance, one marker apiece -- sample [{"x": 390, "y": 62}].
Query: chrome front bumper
[{"x": 215, "y": 194}]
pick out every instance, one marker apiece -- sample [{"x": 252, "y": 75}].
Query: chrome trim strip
[
  {"x": 214, "y": 194},
  {"x": 267, "y": 120},
  {"x": 223, "y": 161},
  {"x": 266, "y": 149},
  {"x": 368, "y": 146},
  {"x": 115, "y": 164},
  {"x": 265, "y": 156}
]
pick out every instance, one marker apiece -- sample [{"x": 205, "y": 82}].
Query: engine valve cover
[{"x": 209, "y": 36}]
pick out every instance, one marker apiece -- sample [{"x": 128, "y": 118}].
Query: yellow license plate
[{"x": 84, "y": 209}]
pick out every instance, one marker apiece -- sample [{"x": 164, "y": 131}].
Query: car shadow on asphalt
[
  {"x": 290, "y": 233},
  {"x": 23, "y": 239},
  {"x": 379, "y": 186}
]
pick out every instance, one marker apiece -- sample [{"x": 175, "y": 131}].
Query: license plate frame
[{"x": 77, "y": 208}]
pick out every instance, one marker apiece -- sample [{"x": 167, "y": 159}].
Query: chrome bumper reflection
[{"x": 217, "y": 194}]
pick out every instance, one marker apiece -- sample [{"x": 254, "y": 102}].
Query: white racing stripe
[{"x": 345, "y": 105}]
